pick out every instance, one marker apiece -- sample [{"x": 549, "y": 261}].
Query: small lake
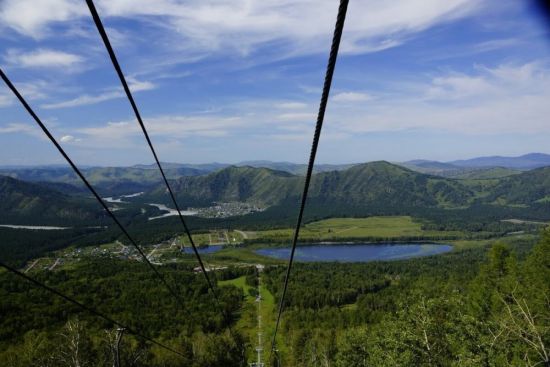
[
  {"x": 364, "y": 252},
  {"x": 202, "y": 250}
]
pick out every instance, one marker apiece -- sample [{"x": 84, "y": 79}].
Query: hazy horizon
[{"x": 62, "y": 163}]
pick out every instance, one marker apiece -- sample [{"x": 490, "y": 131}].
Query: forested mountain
[
  {"x": 526, "y": 188},
  {"x": 260, "y": 185},
  {"x": 294, "y": 168},
  {"x": 370, "y": 185},
  {"x": 482, "y": 173},
  {"x": 383, "y": 182},
  {"x": 29, "y": 203},
  {"x": 452, "y": 171},
  {"x": 376, "y": 182},
  {"x": 109, "y": 180}
]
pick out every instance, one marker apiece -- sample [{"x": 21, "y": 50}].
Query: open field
[
  {"x": 397, "y": 228},
  {"x": 392, "y": 228},
  {"x": 248, "y": 322},
  {"x": 241, "y": 256},
  {"x": 214, "y": 237}
]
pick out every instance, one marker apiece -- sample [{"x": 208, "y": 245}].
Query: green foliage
[
  {"x": 467, "y": 308},
  {"x": 129, "y": 293},
  {"x": 27, "y": 203}
]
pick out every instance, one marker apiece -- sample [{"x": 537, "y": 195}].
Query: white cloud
[
  {"x": 35, "y": 90},
  {"x": 68, "y": 139},
  {"x": 292, "y": 105},
  {"x": 6, "y": 100},
  {"x": 499, "y": 100},
  {"x": 42, "y": 58},
  {"x": 15, "y": 128},
  {"x": 350, "y": 97},
  {"x": 139, "y": 86},
  {"x": 488, "y": 83},
  {"x": 86, "y": 99},
  {"x": 21, "y": 128},
  {"x": 243, "y": 26},
  {"x": 458, "y": 87},
  {"x": 163, "y": 127},
  {"x": 32, "y": 17},
  {"x": 297, "y": 116}
]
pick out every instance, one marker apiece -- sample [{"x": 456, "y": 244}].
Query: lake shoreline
[{"x": 363, "y": 252}]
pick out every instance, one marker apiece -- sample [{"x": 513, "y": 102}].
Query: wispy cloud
[
  {"x": 21, "y": 128},
  {"x": 489, "y": 100},
  {"x": 124, "y": 133},
  {"x": 86, "y": 99},
  {"x": 245, "y": 26},
  {"x": 297, "y": 116},
  {"x": 351, "y": 97},
  {"x": 15, "y": 128},
  {"x": 33, "y": 17},
  {"x": 5, "y": 100},
  {"x": 42, "y": 58},
  {"x": 292, "y": 105}
]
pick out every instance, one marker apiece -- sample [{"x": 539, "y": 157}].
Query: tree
[
  {"x": 75, "y": 349},
  {"x": 353, "y": 348}
]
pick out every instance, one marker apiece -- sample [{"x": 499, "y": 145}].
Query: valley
[{"x": 375, "y": 237}]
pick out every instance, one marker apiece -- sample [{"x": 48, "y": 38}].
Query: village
[{"x": 174, "y": 250}]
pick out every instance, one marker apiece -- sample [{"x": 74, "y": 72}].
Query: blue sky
[{"x": 228, "y": 81}]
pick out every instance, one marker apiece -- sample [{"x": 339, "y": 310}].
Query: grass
[
  {"x": 214, "y": 238},
  {"x": 391, "y": 228},
  {"x": 468, "y": 244},
  {"x": 239, "y": 282},
  {"x": 248, "y": 322},
  {"x": 349, "y": 228},
  {"x": 242, "y": 255},
  {"x": 349, "y": 307}
]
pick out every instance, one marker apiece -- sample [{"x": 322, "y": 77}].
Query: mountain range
[
  {"x": 481, "y": 167},
  {"x": 374, "y": 185},
  {"x": 380, "y": 182}
]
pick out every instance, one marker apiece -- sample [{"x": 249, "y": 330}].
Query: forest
[
  {"x": 38, "y": 328},
  {"x": 478, "y": 307},
  {"x": 484, "y": 306}
]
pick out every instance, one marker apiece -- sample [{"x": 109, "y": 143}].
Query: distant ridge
[
  {"x": 142, "y": 177},
  {"x": 480, "y": 167},
  {"x": 523, "y": 162}
]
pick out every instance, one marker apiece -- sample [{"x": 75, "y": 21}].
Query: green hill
[
  {"x": 29, "y": 203},
  {"x": 376, "y": 182},
  {"x": 523, "y": 189},
  {"x": 248, "y": 184},
  {"x": 389, "y": 184},
  {"x": 483, "y": 173}
]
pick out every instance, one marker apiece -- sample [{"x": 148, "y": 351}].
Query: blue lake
[{"x": 364, "y": 252}]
